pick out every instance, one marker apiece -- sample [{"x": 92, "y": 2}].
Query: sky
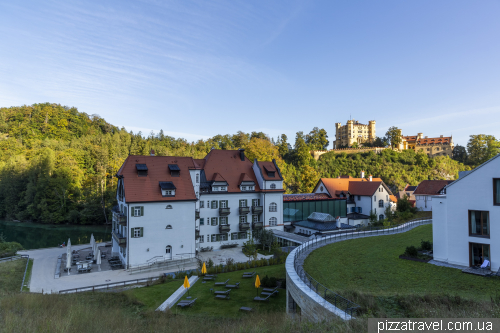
[{"x": 200, "y": 68}]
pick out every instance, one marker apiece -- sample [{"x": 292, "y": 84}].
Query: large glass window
[
  {"x": 496, "y": 191},
  {"x": 479, "y": 223},
  {"x": 479, "y": 253}
]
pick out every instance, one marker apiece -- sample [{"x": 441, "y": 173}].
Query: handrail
[
  {"x": 338, "y": 301},
  {"x": 107, "y": 285},
  {"x": 25, "y": 269},
  {"x": 166, "y": 262}
]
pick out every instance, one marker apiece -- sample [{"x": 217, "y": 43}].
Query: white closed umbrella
[
  {"x": 68, "y": 261},
  {"x": 96, "y": 248},
  {"x": 98, "y": 260}
]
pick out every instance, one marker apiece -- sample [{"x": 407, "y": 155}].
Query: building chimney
[
  {"x": 242, "y": 154},
  {"x": 440, "y": 136},
  {"x": 363, "y": 174},
  {"x": 152, "y": 152},
  {"x": 370, "y": 179}
]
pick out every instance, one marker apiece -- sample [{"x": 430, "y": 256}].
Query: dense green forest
[{"x": 57, "y": 164}]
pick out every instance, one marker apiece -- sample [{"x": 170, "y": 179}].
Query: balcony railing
[
  {"x": 120, "y": 218},
  {"x": 244, "y": 226},
  {"x": 224, "y": 228},
  {"x": 257, "y": 209},
  {"x": 224, "y": 211},
  {"x": 120, "y": 239},
  {"x": 197, "y": 214},
  {"x": 257, "y": 225},
  {"x": 244, "y": 210}
]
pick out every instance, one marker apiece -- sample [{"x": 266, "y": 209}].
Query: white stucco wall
[
  {"x": 440, "y": 229},
  {"x": 473, "y": 192},
  {"x": 423, "y": 202}
]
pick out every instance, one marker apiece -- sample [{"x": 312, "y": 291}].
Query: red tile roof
[
  {"x": 431, "y": 187},
  {"x": 147, "y": 189},
  {"x": 343, "y": 184},
  {"x": 363, "y": 188},
  {"x": 308, "y": 197},
  {"x": 228, "y": 164},
  {"x": 444, "y": 140},
  {"x": 245, "y": 178},
  {"x": 269, "y": 166}
]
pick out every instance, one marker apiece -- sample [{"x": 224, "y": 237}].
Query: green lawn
[
  {"x": 208, "y": 305},
  {"x": 11, "y": 275},
  {"x": 152, "y": 297},
  {"x": 371, "y": 265}
]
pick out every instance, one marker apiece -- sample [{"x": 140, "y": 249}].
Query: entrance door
[
  {"x": 168, "y": 252},
  {"x": 478, "y": 253}
]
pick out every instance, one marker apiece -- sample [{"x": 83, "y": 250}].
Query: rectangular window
[
  {"x": 387, "y": 198},
  {"x": 223, "y": 188},
  {"x": 214, "y": 204},
  {"x": 214, "y": 221},
  {"x": 223, "y": 203},
  {"x": 137, "y": 232},
  {"x": 478, "y": 253},
  {"x": 255, "y": 218},
  {"x": 208, "y": 204},
  {"x": 496, "y": 191},
  {"x": 202, "y": 204},
  {"x": 208, "y": 238},
  {"x": 202, "y": 239},
  {"x": 243, "y": 203},
  {"x": 359, "y": 198},
  {"x": 242, "y": 235},
  {"x": 138, "y": 211},
  {"x": 223, "y": 237},
  {"x": 234, "y": 236},
  {"x": 243, "y": 188},
  {"x": 197, "y": 178},
  {"x": 202, "y": 221},
  {"x": 374, "y": 199},
  {"x": 223, "y": 220},
  {"x": 243, "y": 218},
  {"x": 479, "y": 223},
  {"x": 214, "y": 238},
  {"x": 255, "y": 202}
]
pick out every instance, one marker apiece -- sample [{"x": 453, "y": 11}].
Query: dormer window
[
  {"x": 142, "y": 170},
  {"x": 247, "y": 185},
  {"x": 167, "y": 189},
  {"x": 270, "y": 171},
  {"x": 175, "y": 171}
]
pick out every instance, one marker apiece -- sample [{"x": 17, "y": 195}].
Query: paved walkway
[
  {"x": 177, "y": 295},
  {"x": 44, "y": 267},
  {"x": 45, "y": 260}
]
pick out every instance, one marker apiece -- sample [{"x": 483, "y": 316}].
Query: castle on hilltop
[{"x": 353, "y": 132}]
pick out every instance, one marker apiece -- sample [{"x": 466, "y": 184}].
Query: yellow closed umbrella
[
  {"x": 257, "y": 283},
  {"x": 204, "y": 269},
  {"x": 186, "y": 283}
]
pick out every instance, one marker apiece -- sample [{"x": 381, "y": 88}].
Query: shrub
[
  {"x": 411, "y": 251},
  {"x": 426, "y": 245},
  {"x": 268, "y": 282},
  {"x": 210, "y": 263}
]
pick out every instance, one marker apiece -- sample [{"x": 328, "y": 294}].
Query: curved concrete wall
[{"x": 313, "y": 307}]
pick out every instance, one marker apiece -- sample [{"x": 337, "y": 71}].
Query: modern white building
[
  {"x": 425, "y": 192},
  {"x": 363, "y": 194},
  {"x": 464, "y": 217},
  {"x": 170, "y": 207}
]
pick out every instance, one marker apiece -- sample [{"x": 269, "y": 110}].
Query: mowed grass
[
  {"x": 153, "y": 296},
  {"x": 371, "y": 265},
  {"x": 11, "y": 275},
  {"x": 206, "y": 303}
]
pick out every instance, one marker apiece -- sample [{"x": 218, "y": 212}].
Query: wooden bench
[
  {"x": 246, "y": 309},
  {"x": 236, "y": 285},
  {"x": 222, "y": 296},
  {"x": 221, "y": 283}
]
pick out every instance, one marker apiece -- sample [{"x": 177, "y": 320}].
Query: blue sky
[{"x": 200, "y": 68}]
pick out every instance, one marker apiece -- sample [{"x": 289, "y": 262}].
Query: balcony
[
  {"x": 120, "y": 218},
  {"x": 257, "y": 209},
  {"x": 244, "y": 226},
  {"x": 224, "y": 211},
  {"x": 197, "y": 234},
  {"x": 197, "y": 214},
  {"x": 120, "y": 239},
  {"x": 223, "y": 228},
  {"x": 257, "y": 225},
  {"x": 244, "y": 210}
]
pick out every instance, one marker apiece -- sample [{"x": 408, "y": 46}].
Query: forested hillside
[{"x": 57, "y": 164}]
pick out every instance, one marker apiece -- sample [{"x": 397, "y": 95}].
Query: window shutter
[
  {"x": 132, "y": 211},
  {"x": 359, "y": 210},
  {"x": 141, "y": 231},
  {"x": 142, "y": 210},
  {"x": 227, "y": 203}
]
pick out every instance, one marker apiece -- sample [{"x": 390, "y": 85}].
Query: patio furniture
[
  {"x": 221, "y": 283},
  {"x": 270, "y": 290},
  {"x": 246, "y": 309},
  {"x": 265, "y": 293},
  {"x": 222, "y": 296},
  {"x": 103, "y": 255},
  {"x": 84, "y": 269},
  {"x": 208, "y": 278},
  {"x": 222, "y": 292},
  {"x": 186, "y": 303},
  {"x": 248, "y": 274},
  {"x": 236, "y": 285},
  {"x": 262, "y": 299},
  {"x": 66, "y": 269}
]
